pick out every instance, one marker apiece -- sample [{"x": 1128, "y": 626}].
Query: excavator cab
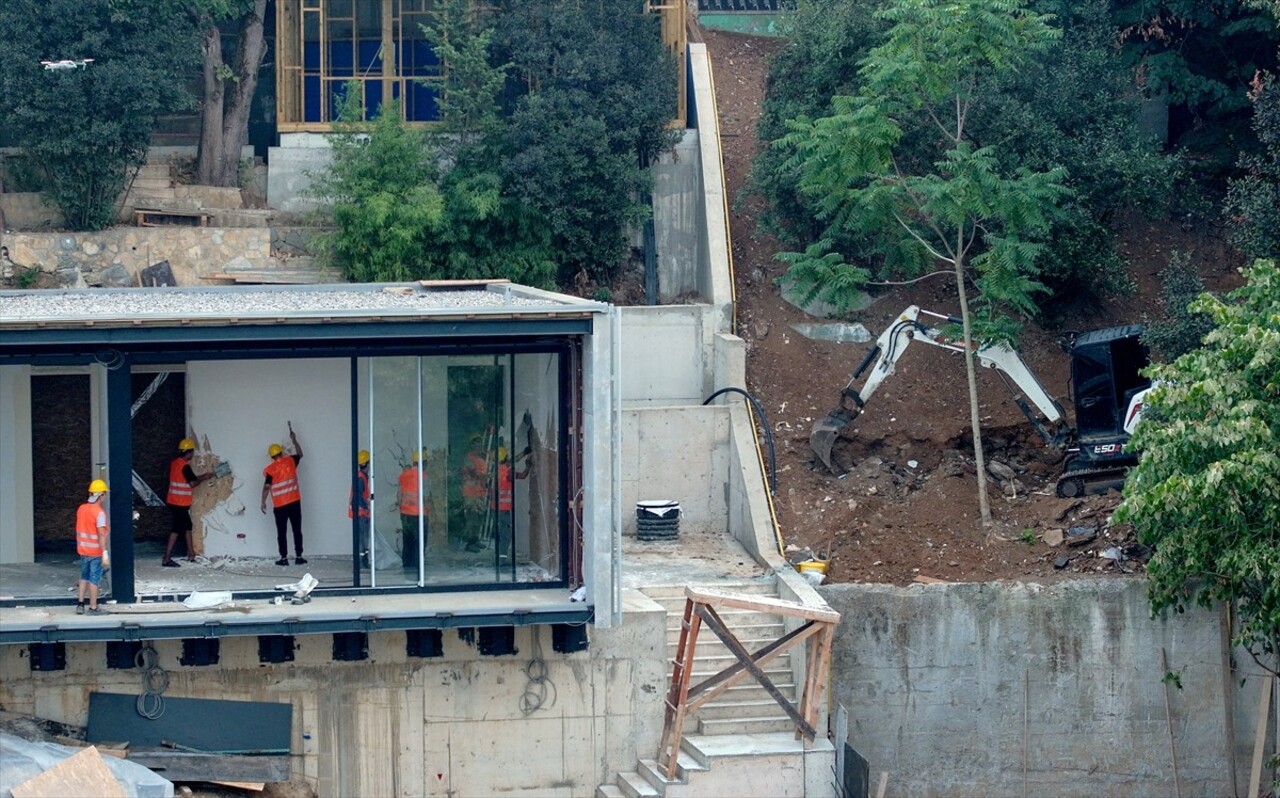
[{"x": 1107, "y": 387}]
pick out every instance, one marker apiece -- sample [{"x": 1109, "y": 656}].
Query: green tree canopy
[
  {"x": 1206, "y": 491},
  {"x": 88, "y": 128}
]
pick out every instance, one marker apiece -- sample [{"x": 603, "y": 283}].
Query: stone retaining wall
[{"x": 114, "y": 257}]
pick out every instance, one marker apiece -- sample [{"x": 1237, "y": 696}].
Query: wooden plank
[
  {"x": 118, "y": 750},
  {"x": 1259, "y": 739},
  {"x": 83, "y": 773},
  {"x": 777, "y": 606},
  {"x": 251, "y": 786},
  {"x": 921, "y": 579},
  {"x": 744, "y": 657},
  {"x": 182, "y": 766}
]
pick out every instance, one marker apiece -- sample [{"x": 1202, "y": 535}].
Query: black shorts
[{"x": 181, "y": 519}]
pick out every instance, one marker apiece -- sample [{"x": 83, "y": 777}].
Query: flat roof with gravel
[{"x": 53, "y": 309}]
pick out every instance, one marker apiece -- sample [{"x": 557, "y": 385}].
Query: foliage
[
  {"x": 1206, "y": 491},
  {"x": 948, "y": 200},
  {"x": 89, "y": 128},
  {"x": 1072, "y": 105},
  {"x": 1201, "y": 54},
  {"x": 1181, "y": 329},
  {"x": 1253, "y": 200},
  {"x": 590, "y": 96}
]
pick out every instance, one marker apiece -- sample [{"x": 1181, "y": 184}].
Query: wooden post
[{"x": 1260, "y": 737}]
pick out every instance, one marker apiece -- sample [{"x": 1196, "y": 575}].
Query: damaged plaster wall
[
  {"x": 239, "y": 408},
  {"x": 399, "y": 726}
]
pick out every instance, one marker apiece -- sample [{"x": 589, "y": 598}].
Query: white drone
[{"x": 67, "y": 63}]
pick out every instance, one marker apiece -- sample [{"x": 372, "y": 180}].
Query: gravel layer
[{"x": 233, "y": 302}]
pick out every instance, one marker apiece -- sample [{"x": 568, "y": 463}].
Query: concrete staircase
[{"x": 743, "y": 736}]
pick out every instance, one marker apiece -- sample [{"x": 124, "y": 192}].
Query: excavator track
[{"x": 1090, "y": 481}]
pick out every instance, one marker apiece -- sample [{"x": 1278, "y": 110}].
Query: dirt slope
[{"x": 909, "y": 507}]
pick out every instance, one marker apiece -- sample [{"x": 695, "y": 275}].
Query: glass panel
[
  {"x": 482, "y": 500},
  {"x": 1095, "y": 390}
]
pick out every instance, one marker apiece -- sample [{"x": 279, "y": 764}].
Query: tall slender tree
[
  {"x": 939, "y": 200},
  {"x": 228, "y": 87}
]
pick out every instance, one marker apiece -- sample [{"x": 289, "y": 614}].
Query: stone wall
[
  {"x": 113, "y": 258},
  {"x": 1004, "y": 689}
]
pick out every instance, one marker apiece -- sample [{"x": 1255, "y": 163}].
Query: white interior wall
[
  {"x": 240, "y": 407},
  {"x": 17, "y": 535}
]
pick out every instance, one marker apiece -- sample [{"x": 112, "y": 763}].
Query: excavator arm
[{"x": 1046, "y": 416}]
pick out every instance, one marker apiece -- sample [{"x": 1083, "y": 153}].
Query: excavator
[{"x": 1107, "y": 389}]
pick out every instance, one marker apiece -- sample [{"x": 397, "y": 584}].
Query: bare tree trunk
[
  {"x": 225, "y": 121},
  {"x": 970, "y": 370},
  {"x": 211, "y": 111}
]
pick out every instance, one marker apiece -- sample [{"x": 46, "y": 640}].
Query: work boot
[
  {"x": 282, "y": 561},
  {"x": 299, "y": 560}
]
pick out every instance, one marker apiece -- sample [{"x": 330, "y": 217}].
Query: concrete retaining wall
[
  {"x": 938, "y": 680},
  {"x": 398, "y": 726},
  {"x": 114, "y": 257},
  {"x": 677, "y": 453}
]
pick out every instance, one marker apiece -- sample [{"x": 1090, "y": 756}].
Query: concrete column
[
  {"x": 16, "y": 512},
  {"x": 119, "y": 422}
]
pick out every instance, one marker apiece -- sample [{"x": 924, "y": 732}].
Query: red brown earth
[{"x": 909, "y": 509}]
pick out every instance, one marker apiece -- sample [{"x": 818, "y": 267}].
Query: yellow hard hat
[
  {"x": 186, "y": 445},
  {"x": 502, "y": 454},
  {"x": 416, "y": 456},
  {"x": 97, "y": 486},
  {"x": 363, "y": 457},
  {"x": 274, "y": 449}
]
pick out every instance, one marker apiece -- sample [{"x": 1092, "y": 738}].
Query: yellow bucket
[{"x": 813, "y": 566}]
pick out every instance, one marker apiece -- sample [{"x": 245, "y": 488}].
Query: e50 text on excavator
[{"x": 1107, "y": 389}]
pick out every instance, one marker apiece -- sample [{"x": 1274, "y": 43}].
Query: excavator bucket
[{"x": 825, "y": 431}]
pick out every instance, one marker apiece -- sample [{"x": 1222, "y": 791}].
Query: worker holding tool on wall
[
  {"x": 182, "y": 484},
  {"x": 286, "y": 496},
  {"x": 501, "y": 502},
  {"x": 358, "y": 504}
]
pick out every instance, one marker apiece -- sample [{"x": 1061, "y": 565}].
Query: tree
[
  {"x": 1253, "y": 200},
  {"x": 590, "y": 97},
  {"x": 1181, "y": 329},
  {"x": 1206, "y": 491},
  {"x": 228, "y": 90},
  {"x": 87, "y": 129},
  {"x": 936, "y": 200}
]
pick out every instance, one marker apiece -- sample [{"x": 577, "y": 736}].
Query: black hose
[{"x": 768, "y": 433}]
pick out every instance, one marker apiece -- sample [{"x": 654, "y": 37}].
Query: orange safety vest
[
  {"x": 503, "y": 499},
  {"x": 473, "y": 477},
  {"x": 364, "y": 493},
  {"x": 88, "y": 543},
  {"x": 180, "y": 490},
  {"x": 409, "y": 481},
  {"x": 284, "y": 481}
]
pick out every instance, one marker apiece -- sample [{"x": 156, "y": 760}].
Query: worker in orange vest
[
  {"x": 475, "y": 491},
  {"x": 286, "y": 497},
  {"x": 501, "y": 502},
  {"x": 182, "y": 483},
  {"x": 92, "y": 542},
  {"x": 413, "y": 484},
  {"x": 358, "y": 504}
]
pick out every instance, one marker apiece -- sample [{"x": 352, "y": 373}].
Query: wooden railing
[{"x": 700, "y": 608}]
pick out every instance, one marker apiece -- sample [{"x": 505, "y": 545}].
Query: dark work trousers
[
  {"x": 289, "y": 514},
  {"x": 409, "y": 539}
]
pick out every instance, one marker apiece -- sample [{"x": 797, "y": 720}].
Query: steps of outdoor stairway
[
  {"x": 686, "y": 768},
  {"x": 721, "y": 709},
  {"x": 766, "y": 586},
  {"x": 633, "y": 785},
  {"x": 718, "y": 727},
  {"x": 609, "y": 791}
]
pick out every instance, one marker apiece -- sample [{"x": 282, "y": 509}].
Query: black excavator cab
[{"x": 1106, "y": 379}]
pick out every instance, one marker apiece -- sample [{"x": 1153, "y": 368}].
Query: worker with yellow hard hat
[
  {"x": 501, "y": 502},
  {"x": 475, "y": 492},
  {"x": 92, "y": 543},
  {"x": 182, "y": 485},
  {"x": 281, "y": 484},
  {"x": 358, "y": 503},
  {"x": 414, "y": 501}
]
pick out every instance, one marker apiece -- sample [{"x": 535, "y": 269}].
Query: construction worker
[
  {"x": 286, "y": 497},
  {"x": 358, "y": 504},
  {"x": 475, "y": 492},
  {"x": 501, "y": 501},
  {"x": 182, "y": 483},
  {"x": 413, "y": 483},
  {"x": 92, "y": 543}
]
